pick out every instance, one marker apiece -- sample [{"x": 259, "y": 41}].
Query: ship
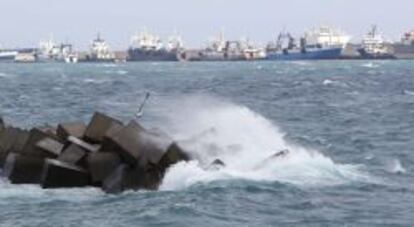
[
  {"x": 405, "y": 48},
  {"x": 8, "y": 55},
  {"x": 100, "y": 51},
  {"x": 374, "y": 46},
  {"x": 50, "y": 51},
  {"x": 149, "y": 47},
  {"x": 219, "y": 49},
  {"x": 323, "y": 43}
]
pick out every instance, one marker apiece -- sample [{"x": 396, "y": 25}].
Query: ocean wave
[{"x": 245, "y": 141}]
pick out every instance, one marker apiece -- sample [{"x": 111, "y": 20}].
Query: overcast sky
[{"x": 25, "y": 22}]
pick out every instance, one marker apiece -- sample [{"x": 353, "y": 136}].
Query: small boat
[{"x": 374, "y": 47}]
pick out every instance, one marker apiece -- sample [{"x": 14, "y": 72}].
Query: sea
[{"x": 347, "y": 129}]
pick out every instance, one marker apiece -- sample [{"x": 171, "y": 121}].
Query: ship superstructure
[
  {"x": 374, "y": 46},
  {"x": 146, "y": 46}
]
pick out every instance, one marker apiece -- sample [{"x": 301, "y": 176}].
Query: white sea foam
[
  {"x": 370, "y": 65},
  {"x": 5, "y": 75},
  {"x": 94, "y": 81},
  {"x": 397, "y": 167},
  {"x": 243, "y": 139},
  {"x": 122, "y": 72}
]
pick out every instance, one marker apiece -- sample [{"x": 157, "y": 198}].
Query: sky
[{"x": 23, "y": 23}]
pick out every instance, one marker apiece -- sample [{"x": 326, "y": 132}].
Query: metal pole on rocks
[{"x": 141, "y": 107}]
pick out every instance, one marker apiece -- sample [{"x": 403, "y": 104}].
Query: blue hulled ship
[{"x": 319, "y": 44}]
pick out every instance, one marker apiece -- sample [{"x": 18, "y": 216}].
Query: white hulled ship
[{"x": 374, "y": 46}]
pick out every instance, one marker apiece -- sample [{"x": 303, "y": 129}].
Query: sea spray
[{"x": 215, "y": 129}]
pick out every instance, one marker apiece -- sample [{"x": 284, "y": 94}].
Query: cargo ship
[
  {"x": 405, "y": 48},
  {"x": 319, "y": 44},
  {"x": 99, "y": 52},
  {"x": 149, "y": 47},
  {"x": 374, "y": 46}
]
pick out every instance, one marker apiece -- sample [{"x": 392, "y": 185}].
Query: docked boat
[
  {"x": 149, "y": 47},
  {"x": 319, "y": 44},
  {"x": 219, "y": 50},
  {"x": 100, "y": 51},
  {"x": 405, "y": 48},
  {"x": 50, "y": 51},
  {"x": 8, "y": 55},
  {"x": 374, "y": 46}
]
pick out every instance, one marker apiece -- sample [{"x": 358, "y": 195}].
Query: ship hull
[
  {"x": 403, "y": 51},
  {"x": 319, "y": 54},
  {"x": 365, "y": 55},
  {"x": 201, "y": 55},
  {"x": 151, "y": 55},
  {"x": 8, "y": 55}
]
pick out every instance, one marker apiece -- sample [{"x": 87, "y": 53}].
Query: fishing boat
[
  {"x": 318, "y": 44},
  {"x": 374, "y": 47},
  {"x": 146, "y": 46},
  {"x": 100, "y": 51},
  {"x": 219, "y": 49}
]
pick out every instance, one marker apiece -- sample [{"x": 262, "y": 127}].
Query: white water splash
[
  {"x": 370, "y": 65},
  {"x": 397, "y": 167},
  {"x": 243, "y": 140}
]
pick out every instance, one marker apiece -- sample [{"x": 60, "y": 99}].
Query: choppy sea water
[{"x": 349, "y": 126}]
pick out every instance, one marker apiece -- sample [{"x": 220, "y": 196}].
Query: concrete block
[
  {"x": 114, "y": 183},
  {"x": 20, "y": 169},
  {"x": 73, "y": 154},
  {"x": 216, "y": 165},
  {"x": 30, "y": 148},
  {"x": 51, "y": 146},
  {"x": 2, "y": 125},
  {"x": 125, "y": 177},
  {"x": 102, "y": 164},
  {"x": 12, "y": 140},
  {"x": 107, "y": 144},
  {"x": 84, "y": 145},
  {"x": 139, "y": 146},
  {"x": 76, "y": 129},
  {"x": 98, "y": 127},
  {"x": 57, "y": 174},
  {"x": 173, "y": 155}
]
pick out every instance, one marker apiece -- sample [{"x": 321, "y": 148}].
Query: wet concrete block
[
  {"x": 57, "y": 174},
  {"x": 139, "y": 146},
  {"x": 173, "y": 155},
  {"x": 102, "y": 164},
  {"x": 216, "y": 165},
  {"x": 125, "y": 177},
  {"x": 114, "y": 183},
  {"x": 2, "y": 125},
  {"x": 76, "y": 129},
  {"x": 84, "y": 145},
  {"x": 73, "y": 154},
  {"x": 107, "y": 144},
  {"x": 20, "y": 169},
  {"x": 50, "y": 146},
  {"x": 98, "y": 127},
  {"x": 127, "y": 142},
  {"x": 12, "y": 140},
  {"x": 31, "y": 149}
]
